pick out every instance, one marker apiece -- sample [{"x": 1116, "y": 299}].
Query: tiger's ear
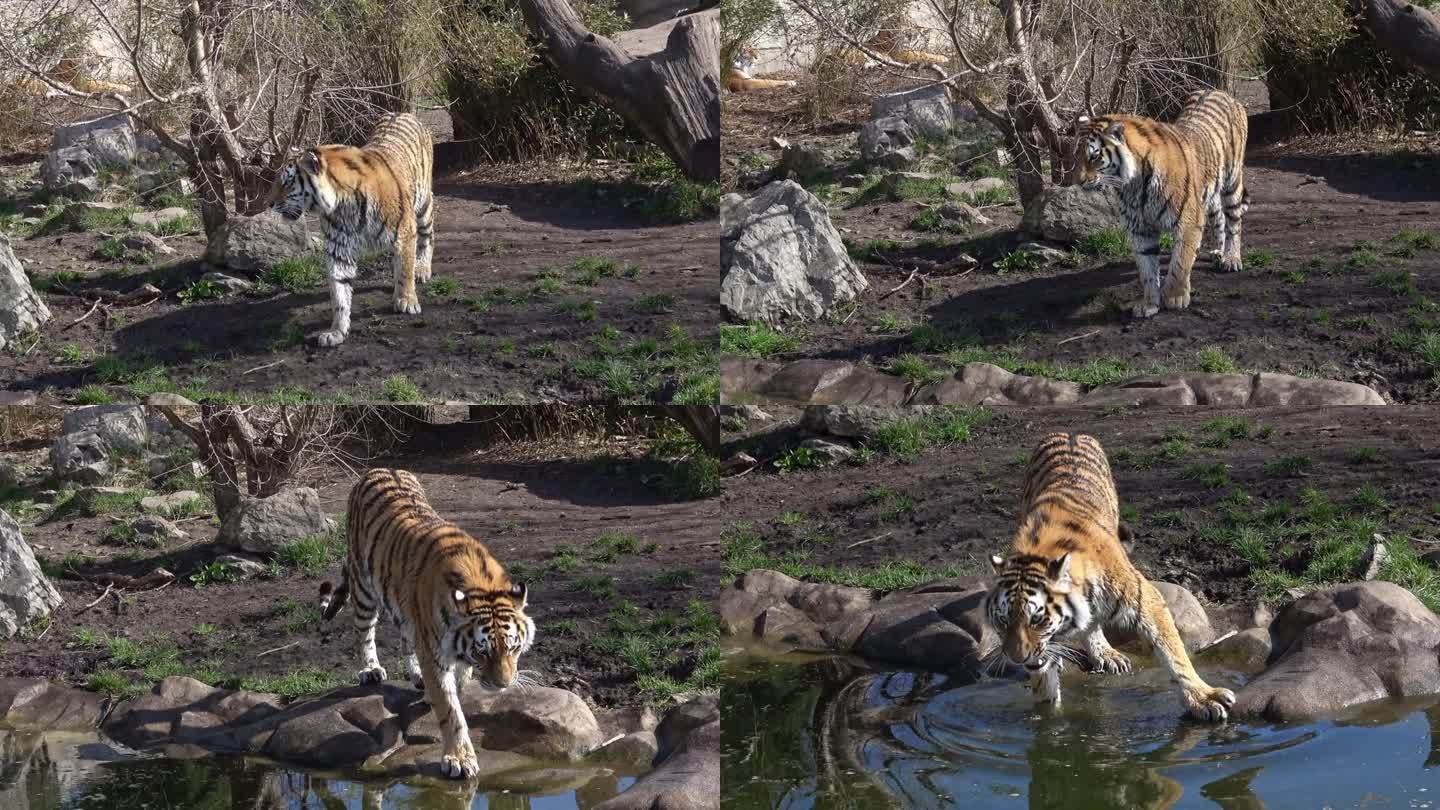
[
  {"x": 517, "y": 592},
  {"x": 1059, "y": 570},
  {"x": 310, "y": 161},
  {"x": 998, "y": 563},
  {"x": 1116, "y": 130}
]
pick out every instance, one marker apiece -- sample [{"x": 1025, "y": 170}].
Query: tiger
[
  {"x": 1171, "y": 177},
  {"x": 376, "y": 196},
  {"x": 1067, "y": 575},
  {"x": 453, "y": 602},
  {"x": 886, "y": 42},
  {"x": 738, "y": 78}
]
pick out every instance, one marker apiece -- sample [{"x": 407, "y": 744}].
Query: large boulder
[
  {"x": 263, "y": 525},
  {"x": 782, "y": 258},
  {"x": 1342, "y": 646},
  {"x": 21, "y": 308},
  {"x": 927, "y": 109},
  {"x": 888, "y": 143},
  {"x": 30, "y": 704},
  {"x": 110, "y": 140},
  {"x": 25, "y": 594},
  {"x": 687, "y": 765},
  {"x": 540, "y": 722},
  {"x": 1068, "y": 213},
  {"x": 120, "y": 426},
  {"x": 70, "y": 172},
  {"x": 82, "y": 457},
  {"x": 252, "y": 244}
]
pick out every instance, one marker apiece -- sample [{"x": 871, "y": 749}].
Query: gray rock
[
  {"x": 25, "y": 594},
  {"x": 539, "y": 722},
  {"x": 782, "y": 258},
  {"x": 1283, "y": 389},
  {"x": 263, "y": 525},
  {"x": 71, "y": 172},
  {"x": 636, "y": 749},
  {"x": 120, "y": 426},
  {"x": 1046, "y": 253},
  {"x": 1375, "y": 559},
  {"x": 9, "y": 477},
  {"x": 970, "y": 189},
  {"x": 155, "y": 182},
  {"x": 230, "y": 283},
  {"x": 156, "y": 526},
  {"x": 87, "y": 497},
  {"x": 158, "y": 219},
  {"x": 888, "y": 143},
  {"x": 829, "y": 452},
  {"x": 170, "y": 503},
  {"x": 1067, "y": 214},
  {"x": 986, "y": 384},
  {"x": 964, "y": 213},
  {"x": 1342, "y": 646},
  {"x": 851, "y": 421},
  {"x": 29, "y": 704},
  {"x": 687, "y": 765},
  {"x": 927, "y": 109},
  {"x": 804, "y": 160},
  {"x": 1249, "y": 649},
  {"x": 21, "y": 308},
  {"x": 142, "y": 241},
  {"x": 241, "y": 566},
  {"x": 82, "y": 456},
  {"x": 111, "y": 141},
  {"x": 753, "y": 413},
  {"x": 252, "y": 244}
]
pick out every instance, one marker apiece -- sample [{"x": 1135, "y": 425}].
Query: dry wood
[
  {"x": 1091, "y": 333},
  {"x": 1409, "y": 32},
  {"x": 108, "y": 587}
]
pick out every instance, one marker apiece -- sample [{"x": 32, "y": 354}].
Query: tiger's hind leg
[
  {"x": 1235, "y": 201},
  {"x": 1147, "y": 263},
  {"x": 406, "y": 301},
  {"x": 1215, "y": 218},
  {"x": 367, "y": 616},
  {"x": 1202, "y": 701},
  {"x": 1175, "y": 293},
  {"x": 424, "y": 234}
]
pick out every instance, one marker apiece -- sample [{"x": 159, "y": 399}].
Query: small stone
[
  {"x": 156, "y": 526},
  {"x": 230, "y": 283},
  {"x": 1376, "y": 559},
  {"x": 147, "y": 242},
  {"x": 168, "y": 504},
  {"x": 158, "y": 219},
  {"x": 830, "y": 452},
  {"x": 85, "y": 498},
  {"x": 241, "y": 566},
  {"x": 1046, "y": 253},
  {"x": 753, "y": 413},
  {"x": 973, "y": 188},
  {"x": 964, "y": 212}
]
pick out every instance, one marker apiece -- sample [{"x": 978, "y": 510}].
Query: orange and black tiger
[
  {"x": 454, "y": 604},
  {"x": 1067, "y": 576},
  {"x": 1172, "y": 177},
  {"x": 372, "y": 197}
]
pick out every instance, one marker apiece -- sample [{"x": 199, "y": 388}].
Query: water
[
  {"x": 70, "y": 771},
  {"x": 825, "y": 733}
]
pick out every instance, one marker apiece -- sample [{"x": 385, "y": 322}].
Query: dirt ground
[
  {"x": 1332, "y": 287},
  {"x": 532, "y": 506},
  {"x": 550, "y": 288},
  {"x": 1306, "y": 480}
]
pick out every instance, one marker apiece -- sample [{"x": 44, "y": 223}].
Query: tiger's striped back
[
  {"x": 401, "y": 140},
  {"x": 1068, "y": 474}
]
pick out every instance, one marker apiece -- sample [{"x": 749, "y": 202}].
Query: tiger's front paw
[
  {"x": 1111, "y": 661},
  {"x": 407, "y": 304},
  {"x": 330, "y": 338},
  {"x": 1209, "y": 705},
  {"x": 1144, "y": 310},
  {"x": 1180, "y": 300},
  {"x": 1231, "y": 265},
  {"x": 375, "y": 674},
  {"x": 463, "y": 766}
]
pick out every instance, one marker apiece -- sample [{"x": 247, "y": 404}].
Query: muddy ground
[
  {"x": 549, "y": 283},
  {"x": 1238, "y": 506},
  {"x": 539, "y": 508},
  {"x": 1342, "y": 276}
]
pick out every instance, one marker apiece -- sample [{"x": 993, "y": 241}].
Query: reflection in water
[
  {"x": 61, "y": 771},
  {"x": 829, "y": 734}
]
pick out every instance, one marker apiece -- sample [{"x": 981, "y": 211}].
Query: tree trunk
[
  {"x": 701, "y": 421},
  {"x": 672, "y": 96},
  {"x": 1410, "y": 33}
]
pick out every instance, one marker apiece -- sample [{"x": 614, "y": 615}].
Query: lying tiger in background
[
  {"x": 1067, "y": 576},
  {"x": 738, "y": 79},
  {"x": 455, "y": 606},
  {"x": 378, "y": 196},
  {"x": 886, "y": 42},
  {"x": 1171, "y": 177}
]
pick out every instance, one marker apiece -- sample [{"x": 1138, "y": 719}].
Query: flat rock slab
[
  {"x": 687, "y": 766},
  {"x": 28, "y": 703},
  {"x": 826, "y": 382}
]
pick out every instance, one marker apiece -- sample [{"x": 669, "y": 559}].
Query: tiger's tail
[{"x": 333, "y": 598}]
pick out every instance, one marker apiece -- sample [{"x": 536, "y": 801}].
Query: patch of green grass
[
  {"x": 755, "y": 340},
  {"x": 590, "y": 269},
  {"x": 399, "y": 388},
  {"x": 597, "y": 585},
  {"x": 73, "y": 355},
  {"x": 1416, "y": 239},
  {"x": 892, "y": 504},
  {"x": 442, "y": 287},
  {"x": 112, "y": 248},
  {"x": 581, "y": 311},
  {"x": 295, "y": 684},
  {"x": 905, "y": 437},
  {"x": 1215, "y": 360},
  {"x": 888, "y": 323},
  {"x": 656, "y": 304},
  {"x": 1257, "y": 259},
  {"x": 1111, "y": 243},
  {"x": 914, "y": 368},
  {"x": 1289, "y": 465},
  {"x": 930, "y": 220},
  {"x": 1294, "y": 277},
  {"x": 662, "y": 193},
  {"x": 1212, "y": 475},
  {"x": 1018, "y": 261},
  {"x": 113, "y": 682},
  {"x": 609, "y": 546},
  {"x": 1221, "y": 430},
  {"x": 1364, "y": 455},
  {"x": 201, "y": 291},
  {"x": 312, "y": 555},
  {"x": 296, "y": 274},
  {"x": 213, "y": 573},
  {"x": 1399, "y": 282},
  {"x": 797, "y": 458}
]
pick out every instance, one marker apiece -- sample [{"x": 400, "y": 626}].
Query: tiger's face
[
  {"x": 744, "y": 60},
  {"x": 300, "y": 187},
  {"x": 493, "y": 633},
  {"x": 1104, "y": 157},
  {"x": 1029, "y": 606}
]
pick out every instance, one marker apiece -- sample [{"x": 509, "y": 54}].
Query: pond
[
  {"x": 827, "y": 733},
  {"x": 73, "y": 771}
]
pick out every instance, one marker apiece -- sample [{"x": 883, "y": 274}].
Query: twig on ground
[
  {"x": 871, "y": 540},
  {"x": 88, "y": 313},
  {"x": 259, "y": 368},
  {"x": 98, "y": 599},
  {"x": 1091, "y": 333},
  {"x": 278, "y": 649},
  {"x": 897, "y": 288}
]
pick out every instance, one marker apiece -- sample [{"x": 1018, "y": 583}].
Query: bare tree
[{"x": 672, "y": 96}]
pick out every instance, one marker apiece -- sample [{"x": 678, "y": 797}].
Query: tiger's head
[
  {"x": 744, "y": 60},
  {"x": 490, "y": 632},
  {"x": 1103, "y": 156},
  {"x": 1032, "y": 602},
  {"x": 301, "y": 186}
]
